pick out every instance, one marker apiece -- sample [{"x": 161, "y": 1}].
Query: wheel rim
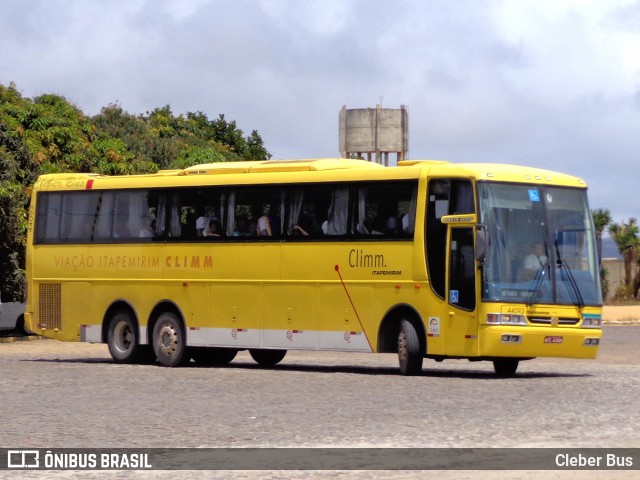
[
  {"x": 123, "y": 337},
  {"x": 169, "y": 338}
]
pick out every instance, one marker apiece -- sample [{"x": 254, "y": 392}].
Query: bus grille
[
  {"x": 50, "y": 307},
  {"x": 548, "y": 320}
]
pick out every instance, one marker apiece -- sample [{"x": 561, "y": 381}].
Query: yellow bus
[{"x": 428, "y": 259}]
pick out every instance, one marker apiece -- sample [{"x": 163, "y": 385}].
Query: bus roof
[
  {"x": 510, "y": 173},
  {"x": 325, "y": 170},
  {"x": 308, "y": 165}
]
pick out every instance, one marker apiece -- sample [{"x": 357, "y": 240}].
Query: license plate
[{"x": 552, "y": 339}]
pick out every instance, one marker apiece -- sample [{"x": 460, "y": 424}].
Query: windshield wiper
[
  {"x": 572, "y": 281},
  {"x": 562, "y": 264},
  {"x": 537, "y": 286}
]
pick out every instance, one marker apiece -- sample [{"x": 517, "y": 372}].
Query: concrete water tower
[{"x": 374, "y": 133}]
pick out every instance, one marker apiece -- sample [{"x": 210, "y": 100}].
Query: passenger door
[
  {"x": 452, "y": 325},
  {"x": 461, "y": 323}
]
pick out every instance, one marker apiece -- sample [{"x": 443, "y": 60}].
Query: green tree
[
  {"x": 230, "y": 135},
  {"x": 14, "y": 159},
  {"x": 48, "y": 134},
  {"x": 626, "y": 237},
  {"x": 255, "y": 148},
  {"x": 602, "y": 219},
  {"x": 58, "y": 134},
  {"x": 123, "y": 143},
  {"x": 195, "y": 155}
]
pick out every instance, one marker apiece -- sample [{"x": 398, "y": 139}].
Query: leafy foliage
[
  {"x": 626, "y": 236},
  {"x": 602, "y": 219},
  {"x": 48, "y": 134}
]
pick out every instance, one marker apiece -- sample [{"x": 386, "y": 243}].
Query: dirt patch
[{"x": 625, "y": 315}]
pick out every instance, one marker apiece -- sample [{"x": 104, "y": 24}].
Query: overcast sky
[{"x": 553, "y": 84}]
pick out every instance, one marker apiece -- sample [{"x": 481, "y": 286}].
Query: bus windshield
[{"x": 541, "y": 245}]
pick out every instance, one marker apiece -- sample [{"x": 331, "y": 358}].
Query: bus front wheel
[
  {"x": 123, "y": 337},
  {"x": 409, "y": 353},
  {"x": 169, "y": 341},
  {"x": 267, "y": 358},
  {"x": 21, "y": 327}
]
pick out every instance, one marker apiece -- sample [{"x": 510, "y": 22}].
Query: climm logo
[
  {"x": 189, "y": 261},
  {"x": 361, "y": 259}
]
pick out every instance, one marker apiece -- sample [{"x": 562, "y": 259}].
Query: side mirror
[{"x": 482, "y": 243}]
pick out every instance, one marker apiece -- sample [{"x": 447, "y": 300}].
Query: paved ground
[{"x": 56, "y": 395}]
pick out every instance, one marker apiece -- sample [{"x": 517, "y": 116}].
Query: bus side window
[
  {"x": 436, "y": 234},
  {"x": 48, "y": 217},
  {"x": 318, "y": 210},
  {"x": 125, "y": 215},
  {"x": 78, "y": 216},
  {"x": 255, "y": 213},
  {"x": 141, "y": 215},
  {"x": 461, "y": 197},
  {"x": 386, "y": 209}
]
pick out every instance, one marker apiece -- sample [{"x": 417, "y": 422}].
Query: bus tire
[
  {"x": 21, "y": 327},
  {"x": 505, "y": 367},
  {"x": 123, "y": 338},
  {"x": 169, "y": 341},
  {"x": 267, "y": 358},
  {"x": 409, "y": 352},
  {"x": 213, "y": 356}
]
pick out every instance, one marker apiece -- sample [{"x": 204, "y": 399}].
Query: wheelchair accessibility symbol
[{"x": 453, "y": 296}]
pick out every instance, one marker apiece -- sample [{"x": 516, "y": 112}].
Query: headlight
[
  {"x": 591, "y": 322},
  {"x": 505, "y": 319}
]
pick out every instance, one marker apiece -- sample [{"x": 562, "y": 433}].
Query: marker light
[
  {"x": 511, "y": 339},
  {"x": 505, "y": 319}
]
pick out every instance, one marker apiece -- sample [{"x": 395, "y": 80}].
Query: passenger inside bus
[
  {"x": 370, "y": 226},
  {"x": 213, "y": 229},
  {"x": 148, "y": 226},
  {"x": 242, "y": 228},
  {"x": 201, "y": 225},
  {"x": 306, "y": 226},
  {"x": 298, "y": 230},
  {"x": 121, "y": 228},
  {"x": 263, "y": 228},
  {"x": 533, "y": 262},
  {"x": 392, "y": 225}
]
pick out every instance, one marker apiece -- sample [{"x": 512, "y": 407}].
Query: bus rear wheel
[
  {"x": 213, "y": 356},
  {"x": 505, "y": 367},
  {"x": 409, "y": 353},
  {"x": 123, "y": 339},
  {"x": 267, "y": 358},
  {"x": 169, "y": 341}
]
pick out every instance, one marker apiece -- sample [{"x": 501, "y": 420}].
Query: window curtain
[
  {"x": 231, "y": 214},
  {"x": 175, "y": 228},
  {"x": 105, "y": 215},
  {"x": 362, "y": 210},
  {"x": 295, "y": 207},
  {"x": 412, "y": 211},
  {"x": 79, "y": 214},
  {"x": 338, "y": 212},
  {"x": 138, "y": 212}
]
